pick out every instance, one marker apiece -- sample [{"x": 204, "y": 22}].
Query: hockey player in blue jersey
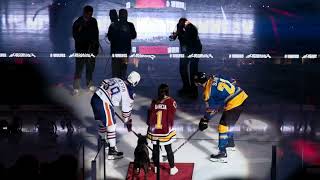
[{"x": 221, "y": 93}]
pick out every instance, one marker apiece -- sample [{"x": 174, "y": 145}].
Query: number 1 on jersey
[{"x": 159, "y": 119}]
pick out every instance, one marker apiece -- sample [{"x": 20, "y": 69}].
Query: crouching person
[{"x": 111, "y": 93}]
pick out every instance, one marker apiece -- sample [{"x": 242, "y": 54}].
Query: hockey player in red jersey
[{"x": 160, "y": 121}]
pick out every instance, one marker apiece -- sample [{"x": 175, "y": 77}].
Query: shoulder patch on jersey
[
  {"x": 171, "y": 100},
  {"x": 174, "y": 104}
]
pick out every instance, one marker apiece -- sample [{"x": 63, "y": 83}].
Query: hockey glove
[
  {"x": 129, "y": 125},
  {"x": 203, "y": 124}
]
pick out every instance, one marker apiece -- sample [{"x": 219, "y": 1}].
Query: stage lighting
[
  {"x": 3, "y": 128},
  {"x": 16, "y": 126},
  {"x": 66, "y": 122},
  {"x": 46, "y": 127}
]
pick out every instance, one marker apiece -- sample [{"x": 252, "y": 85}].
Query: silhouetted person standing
[
  {"x": 194, "y": 46},
  {"x": 190, "y": 43},
  {"x": 86, "y": 36},
  {"x": 120, "y": 34},
  {"x": 114, "y": 18}
]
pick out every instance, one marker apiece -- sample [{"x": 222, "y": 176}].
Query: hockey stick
[
  {"x": 131, "y": 130},
  {"x": 125, "y": 123},
  {"x": 165, "y": 157}
]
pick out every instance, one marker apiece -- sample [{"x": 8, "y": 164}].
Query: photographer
[
  {"x": 190, "y": 43},
  {"x": 86, "y": 36}
]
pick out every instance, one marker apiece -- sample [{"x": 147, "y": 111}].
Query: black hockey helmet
[{"x": 200, "y": 78}]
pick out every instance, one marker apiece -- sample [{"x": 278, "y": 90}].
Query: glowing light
[
  {"x": 223, "y": 14},
  {"x": 255, "y": 125},
  {"x": 307, "y": 150},
  {"x": 150, "y": 4}
]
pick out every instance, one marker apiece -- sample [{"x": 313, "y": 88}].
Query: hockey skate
[
  {"x": 114, "y": 154},
  {"x": 76, "y": 92},
  {"x": 220, "y": 157},
  {"x": 173, "y": 171},
  {"x": 91, "y": 88}
]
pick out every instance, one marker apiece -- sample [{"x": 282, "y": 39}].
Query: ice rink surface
[
  {"x": 229, "y": 26},
  {"x": 255, "y": 131},
  {"x": 252, "y": 157}
]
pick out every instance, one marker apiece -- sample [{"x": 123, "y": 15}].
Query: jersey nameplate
[{"x": 160, "y": 106}]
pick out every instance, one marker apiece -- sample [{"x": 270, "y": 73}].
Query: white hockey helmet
[{"x": 134, "y": 78}]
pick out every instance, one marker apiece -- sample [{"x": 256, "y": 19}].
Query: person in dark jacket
[
  {"x": 114, "y": 18},
  {"x": 86, "y": 36},
  {"x": 190, "y": 44},
  {"x": 180, "y": 34},
  {"x": 120, "y": 34},
  {"x": 194, "y": 46}
]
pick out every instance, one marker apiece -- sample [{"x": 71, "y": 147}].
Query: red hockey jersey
[{"x": 160, "y": 121}]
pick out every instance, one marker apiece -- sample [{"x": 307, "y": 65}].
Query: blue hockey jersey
[{"x": 219, "y": 92}]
